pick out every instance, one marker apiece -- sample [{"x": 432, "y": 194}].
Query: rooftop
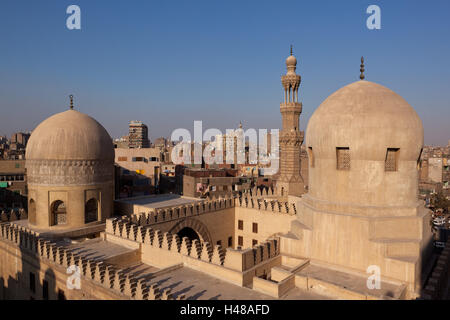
[{"x": 159, "y": 201}]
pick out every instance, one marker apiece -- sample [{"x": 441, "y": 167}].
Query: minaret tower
[{"x": 290, "y": 181}]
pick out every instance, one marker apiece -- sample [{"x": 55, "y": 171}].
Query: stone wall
[
  {"x": 163, "y": 249},
  {"x": 22, "y": 252}
]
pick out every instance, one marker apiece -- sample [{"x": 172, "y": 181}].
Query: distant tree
[{"x": 441, "y": 202}]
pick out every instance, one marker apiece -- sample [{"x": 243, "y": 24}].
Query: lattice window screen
[
  {"x": 343, "y": 158},
  {"x": 390, "y": 163},
  {"x": 61, "y": 218}
]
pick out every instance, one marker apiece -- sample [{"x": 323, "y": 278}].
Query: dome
[
  {"x": 291, "y": 61},
  {"x": 70, "y": 135},
  {"x": 368, "y": 118},
  {"x": 363, "y": 143}
]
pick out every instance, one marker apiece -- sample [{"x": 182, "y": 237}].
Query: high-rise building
[{"x": 138, "y": 135}]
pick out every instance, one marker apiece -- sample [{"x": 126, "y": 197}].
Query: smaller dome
[
  {"x": 70, "y": 135},
  {"x": 291, "y": 61}
]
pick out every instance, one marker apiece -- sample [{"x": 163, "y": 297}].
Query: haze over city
[{"x": 170, "y": 63}]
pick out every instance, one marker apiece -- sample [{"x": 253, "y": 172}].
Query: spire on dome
[
  {"x": 362, "y": 69},
  {"x": 71, "y": 101},
  {"x": 291, "y": 49}
]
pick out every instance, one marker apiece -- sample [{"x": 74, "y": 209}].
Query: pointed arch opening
[{"x": 58, "y": 213}]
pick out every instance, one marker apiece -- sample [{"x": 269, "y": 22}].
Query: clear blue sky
[{"x": 169, "y": 63}]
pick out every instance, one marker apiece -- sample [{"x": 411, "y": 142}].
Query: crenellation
[
  {"x": 109, "y": 226},
  {"x": 109, "y": 277},
  {"x": 158, "y": 238},
  {"x": 67, "y": 258},
  {"x": 206, "y": 252},
  {"x": 152, "y": 217},
  {"x": 133, "y": 232},
  {"x": 186, "y": 246},
  {"x": 166, "y": 294},
  {"x": 90, "y": 269},
  {"x": 99, "y": 272},
  {"x": 166, "y": 241},
  {"x": 129, "y": 286},
  {"x": 82, "y": 264},
  {"x": 196, "y": 249},
  {"x": 59, "y": 255},
  {"x": 176, "y": 243},
  {"x": 141, "y": 290},
  {"x": 154, "y": 293},
  {"x": 119, "y": 280},
  {"x": 218, "y": 255},
  {"x": 119, "y": 227},
  {"x": 52, "y": 253},
  {"x": 147, "y": 235}
]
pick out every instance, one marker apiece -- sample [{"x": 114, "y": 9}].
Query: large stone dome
[
  {"x": 70, "y": 172},
  {"x": 379, "y": 136},
  {"x": 70, "y": 135}
]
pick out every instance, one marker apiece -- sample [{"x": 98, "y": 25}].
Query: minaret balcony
[{"x": 291, "y": 107}]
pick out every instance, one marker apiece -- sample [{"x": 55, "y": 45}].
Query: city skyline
[
  {"x": 171, "y": 64},
  {"x": 234, "y": 152}
]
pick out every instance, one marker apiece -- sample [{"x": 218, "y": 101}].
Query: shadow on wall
[
  {"x": 429, "y": 256},
  {"x": 27, "y": 283}
]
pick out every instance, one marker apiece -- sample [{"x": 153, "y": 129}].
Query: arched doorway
[
  {"x": 196, "y": 226},
  {"x": 189, "y": 233},
  {"x": 58, "y": 213},
  {"x": 91, "y": 211},
  {"x": 32, "y": 212}
]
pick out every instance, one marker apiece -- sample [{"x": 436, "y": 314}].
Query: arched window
[
  {"x": 32, "y": 212},
  {"x": 58, "y": 212},
  {"x": 91, "y": 211}
]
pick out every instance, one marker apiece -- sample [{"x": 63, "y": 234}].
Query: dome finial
[
  {"x": 71, "y": 101},
  {"x": 362, "y": 69},
  {"x": 291, "y": 49},
  {"x": 240, "y": 124}
]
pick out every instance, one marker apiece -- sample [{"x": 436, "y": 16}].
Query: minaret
[{"x": 290, "y": 181}]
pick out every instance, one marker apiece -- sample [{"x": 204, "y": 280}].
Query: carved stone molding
[
  {"x": 69, "y": 172},
  {"x": 294, "y": 138}
]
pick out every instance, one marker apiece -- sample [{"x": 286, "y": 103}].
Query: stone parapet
[
  {"x": 166, "y": 249},
  {"x": 105, "y": 275}
]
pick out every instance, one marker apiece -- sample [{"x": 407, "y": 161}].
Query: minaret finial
[
  {"x": 71, "y": 101},
  {"x": 291, "y": 49},
  {"x": 362, "y": 69},
  {"x": 240, "y": 124}
]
